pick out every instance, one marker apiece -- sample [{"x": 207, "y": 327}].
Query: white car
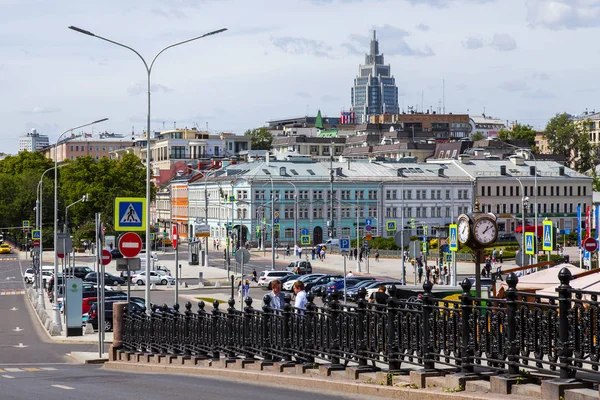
[
  {"x": 155, "y": 277},
  {"x": 267, "y": 276},
  {"x": 29, "y": 276}
]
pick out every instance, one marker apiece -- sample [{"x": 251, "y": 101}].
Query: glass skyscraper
[{"x": 375, "y": 91}]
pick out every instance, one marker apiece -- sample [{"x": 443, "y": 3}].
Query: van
[{"x": 330, "y": 243}]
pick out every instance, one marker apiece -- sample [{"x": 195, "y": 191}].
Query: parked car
[
  {"x": 330, "y": 242},
  {"x": 115, "y": 253},
  {"x": 108, "y": 313},
  {"x": 350, "y": 282},
  {"x": 352, "y": 292},
  {"x": 155, "y": 277},
  {"x": 300, "y": 267},
  {"x": 108, "y": 295},
  {"x": 29, "y": 275},
  {"x": 109, "y": 279},
  {"x": 485, "y": 282},
  {"x": 78, "y": 271},
  {"x": 267, "y": 276},
  {"x": 4, "y": 248},
  {"x": 287, "y": 286},
  {"x": 387, "y": 284},
  {"x": 326, "y": 279}
]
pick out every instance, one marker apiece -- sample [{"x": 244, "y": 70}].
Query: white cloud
[
  {"x": 299, "y": 45},
  {"x": 142, "y": 87},
  {"x": 473, "y": 43},
  {"x": 563, "y": 14},
  {"x": 392, "y": 41},
  {"x": 517, "y": 85},
  {"x": 43, "y": 110},
  {"x": 503, "y": 42}
]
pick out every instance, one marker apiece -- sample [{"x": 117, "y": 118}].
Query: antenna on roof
[{"x": 443, "y": 96}]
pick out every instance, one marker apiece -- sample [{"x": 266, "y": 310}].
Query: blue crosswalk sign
[
  {"x": 529, "y": 249},
  {"x": 452, "y": 236},
  {"x": 547, "y": 244},
  {"x": 130, "y": 214}
]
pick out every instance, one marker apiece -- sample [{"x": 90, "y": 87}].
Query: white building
[
  {"x": 33, "y": 141},
  {"x": 488, "y": 126}
]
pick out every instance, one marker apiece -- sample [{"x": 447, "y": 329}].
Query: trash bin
[
  {"x": 203, "y": 258},
  {"x": 194, "y": 259}
]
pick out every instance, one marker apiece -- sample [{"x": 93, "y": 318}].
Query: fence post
[
  {"x": 427, "y": 344},
  {"x": 248, "y": 312},
  {"x": 214, "y": 331},
  {"x": 466, "y": 308},
  {"x": 266, "y": 323},
  {"x": 564, "y": 305},
  {"x": 334, "y": 312},
  {"x": 231, "y": 331},
  {"x": 309, "y": 343},
  {"x": 511, "y": 323},
  {"x": 392, "y": 342},
  {"x": 187, "y": 334},
  {"x": 287, "y": 317},
  {"x": 361, "y": 316}
]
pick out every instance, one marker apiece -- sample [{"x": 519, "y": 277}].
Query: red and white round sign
[
  {"x": 106, "y": 257},
  {"x": 174, "y": 237},
  {"x": 590, "y": 244},
  {"x": 130, "y": 244}
]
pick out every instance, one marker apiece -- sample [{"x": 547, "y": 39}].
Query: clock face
[
  {"x": 464, "y": 230},
  {"x": 485, "y": 231}
]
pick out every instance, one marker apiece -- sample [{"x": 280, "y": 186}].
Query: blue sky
[{"x": 519, "y": 60}]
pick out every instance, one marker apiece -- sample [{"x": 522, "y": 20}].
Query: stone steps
[{"x": 528, "y": 390}]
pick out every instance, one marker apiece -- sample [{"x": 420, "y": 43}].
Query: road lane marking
[
  {"x": 13, "y": 369},
  {"x": 31, "y": 369},
  {"x": 48, "y": 369},
  {"x": 1, "y": 370},
  {"x": 9, "y": 293},
  {"x": 8, "y": 377},
  {"x": 63, "y": 387}
]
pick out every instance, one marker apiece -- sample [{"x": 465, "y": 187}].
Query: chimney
[
  {"x": 561, "y": 171},
  {"x": 503, "y": 170},
  {"x": 441, "y": 172},
  {"x": 517, "y": 160},
  {"x": 282, "y": 171},
  {"x": 400, "y": 171},
  {"x": 267, "y": 159},
  {"x": 348, "y": 164},
  {"x": 338, "y": 171},
  {"x": 464, "y": 158},
  {"x": 532, "y": 170}
]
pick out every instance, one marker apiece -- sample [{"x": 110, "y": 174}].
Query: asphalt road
[
  {"x": 80, "y": 382},
  {"x": 22, "y": 339}
]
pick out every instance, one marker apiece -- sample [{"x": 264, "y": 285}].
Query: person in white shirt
[
  {"x": 300, "y": 302},
  {"x": 349, "y": 274}
]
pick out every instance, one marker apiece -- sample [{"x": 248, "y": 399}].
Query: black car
[
  {"x": 116, "y": 253},
  {"x": 326, "y": 279},
  {"x": 77, "y": 271},
  {"x": 137, "y": 303},
  {"x": 109, "y": 279}
]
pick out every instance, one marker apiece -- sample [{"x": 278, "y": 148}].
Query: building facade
[
  {"x": 87, "y": 145},
  {"x": 33, "y": 141},
  {"x": 374, "y": 91}
]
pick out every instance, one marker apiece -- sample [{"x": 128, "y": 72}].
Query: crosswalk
[
  {"x": 8, "y": 259},
  {"x": 11, "y": 292},
  {"x": 26, "y": 369}
]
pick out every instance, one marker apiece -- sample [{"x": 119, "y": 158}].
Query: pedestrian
[
  {"x": 312, "y": 253},
  {"x": 239, "y": 290},
  {"x": 379, "y": 297},
  {"x": 360, "y": 255},
  {"x": 349, "y": 274},
  {"x": 501, "y": 256},
  {"x": 420, "y": 272},
  {"x": 499, "y": 272},
  {"x": 322, "y": 255},
  {"x": 299, "y": 253},
  {"x": 254, "y": 278},
  {"x": 300, "y": 301},
  {"x": 246, "y": 288},
  {"x": 277, "y": 298},
  {"x": 214, "y": 244},
  {"x": 445, "y": 275},
  {"x": 218, "y": 243},
  {"x": 377, "y": 256},
  {"x": 350, "y": 255},
  {"x": 356, "y": 254}
]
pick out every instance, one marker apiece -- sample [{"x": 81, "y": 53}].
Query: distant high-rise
[
  {"x": 375, "y": 91},
  {"x": 33, "y": 141}
]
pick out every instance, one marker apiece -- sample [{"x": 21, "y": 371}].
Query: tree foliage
[
  {"x": 102, "y": 179},
  {"x": 260, "y": 138},
  {"x": 571, "y": 140},
  {"x": 518, "y": 132},
  {"x": 477, "y": 136}
]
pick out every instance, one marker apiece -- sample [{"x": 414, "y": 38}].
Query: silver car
[{"x": 155, "y": 277}]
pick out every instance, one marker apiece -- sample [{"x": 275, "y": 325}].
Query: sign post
[
  {"x": 344, "y": 248},
  {"x": 548, "y": 237},
  {"x": 174, "y": 238},
  {"x": 130, "y": 244},
  {"x": 453, "y": 246}
]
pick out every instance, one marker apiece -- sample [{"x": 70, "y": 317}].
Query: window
[
  {"x": 511, "y": 191},
  {"x": 303, "y": 194},
  {"x": 346, "y": 231},
  {"x": 317, "y": 213},
  {"x": 288, "y": 195},
  {"x": 372, "y": 212},
  {"x": 372, "y": 194},
  {"x": 242, "y": 194},
  {"x": 288, "y": 212},
  {"x": 408, "y": 194},
  {"x": 438, "y": 212},
  {"x": 317, "y": 194},
  {"x": 288, "y": 233},
  {"x": 388, "y": 212},
  {"x": 361, "y": 212},
  {"x": 359, "y": 194},
  {"x": 504, "y": 191},
  {"x": 585, "y": 190},
  {"x": 438, "y": 194},
  {"x": 259, "y": 194},
  {"x": 334, "y": 213},
  {"x": 346, "y": 212},
  {"x": 303, "y": 213},
  {"x": 447, "y": 195},
  {"x": 275, "y": 194},
  {"x": 345, "y": 194},
  {"x": 71, "y": 147},
  {"x": 314, "y": 150},
  {"x": 447, "y": 212}
]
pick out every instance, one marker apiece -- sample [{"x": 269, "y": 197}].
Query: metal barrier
[{"x": 522, "y": 331}]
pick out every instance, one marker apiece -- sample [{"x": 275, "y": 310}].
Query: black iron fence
[{"x": 520, "y": 331}]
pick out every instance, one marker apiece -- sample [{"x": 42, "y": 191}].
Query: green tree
[
  {"x": 477, "y": 136},
  {"x": 518, "y": 132},
  {"x": 260, "y": 138},
  {"x": 571, "y": 140}
]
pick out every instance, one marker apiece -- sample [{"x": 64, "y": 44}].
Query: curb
[{"x": 311, "y": 384}]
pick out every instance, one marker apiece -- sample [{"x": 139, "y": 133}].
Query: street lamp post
[
  {"x": 56, "y": 317},
  {"x": 84, "y": 198},
  {"x": 148, "y": 136},
  {"x": 524, "y": 204}
]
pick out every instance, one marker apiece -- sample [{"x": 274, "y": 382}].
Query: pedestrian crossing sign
[
  {"x": 452, "y": 237},
  {"x": 305, "y": 239},
  {"x": 529, "y": 245},
  {"x": 390, "y": 226},
  {"x": 547, "y": 244},
  {"x": 130, "y": 214}
]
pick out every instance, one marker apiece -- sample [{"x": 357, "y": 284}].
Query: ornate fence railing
[{"x": 520, "y": 331}]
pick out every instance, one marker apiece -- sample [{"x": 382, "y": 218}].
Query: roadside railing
[{"x": 522, "y": 331}]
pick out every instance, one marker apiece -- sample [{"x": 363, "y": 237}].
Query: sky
[{"x": 518, "y": 60}]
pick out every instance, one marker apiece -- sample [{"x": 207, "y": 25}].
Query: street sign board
[
  {"x": 231, "y": 199},
  {"x": 368, "y": 221},
  {"x": 548, "y": 242},
  {"x": 130, "y": 244},
  {"x": 25, "y": 226},
  {"x": 390, "y": 226},
  {"x": 131, "y": 264},
  {"x": 63, "y": 242},
  {"x": 452, "y": 237},
  {"x": 276, "y": 214},
  {"x": 305, "y": 239},
  {"x": 412, "y": 223},
  {"x": 276, "y": 220},
  {"x": 242, "y": 255},
  {"x": 276, "y": 227},
  {"x": 152, "y": 236},
  {"x": 368, "y": 228},
  {"x": 369, "y": 236},
  {"x": 106, "y": 257},
  {"x": 529, "y": 243},
  {"x": 590, "y": 244},
  {"x": 36, "y": 234},
  {"x": 304, "y": 231},
  {"x": 174, "y": 236},
  {"x": 130, "y": 214},
  {"x": 402, "y": 240},
  {"x": 36, "y": 243},
  {"x": 345, "y": 243}
]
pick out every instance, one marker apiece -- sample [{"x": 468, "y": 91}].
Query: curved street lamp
[
  {"x": 56, "y": 317},
  {"x": 148, "y": 72}
]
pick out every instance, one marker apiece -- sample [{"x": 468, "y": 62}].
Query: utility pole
[{"x": 331, "y": 219}]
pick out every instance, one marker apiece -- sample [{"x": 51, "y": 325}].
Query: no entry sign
[
  {"x": 174, "y": 237},
  {"x": 130, "y": 244},
  {"x": 106, "y": 257},
  {"x": 590, "y": 244}
]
